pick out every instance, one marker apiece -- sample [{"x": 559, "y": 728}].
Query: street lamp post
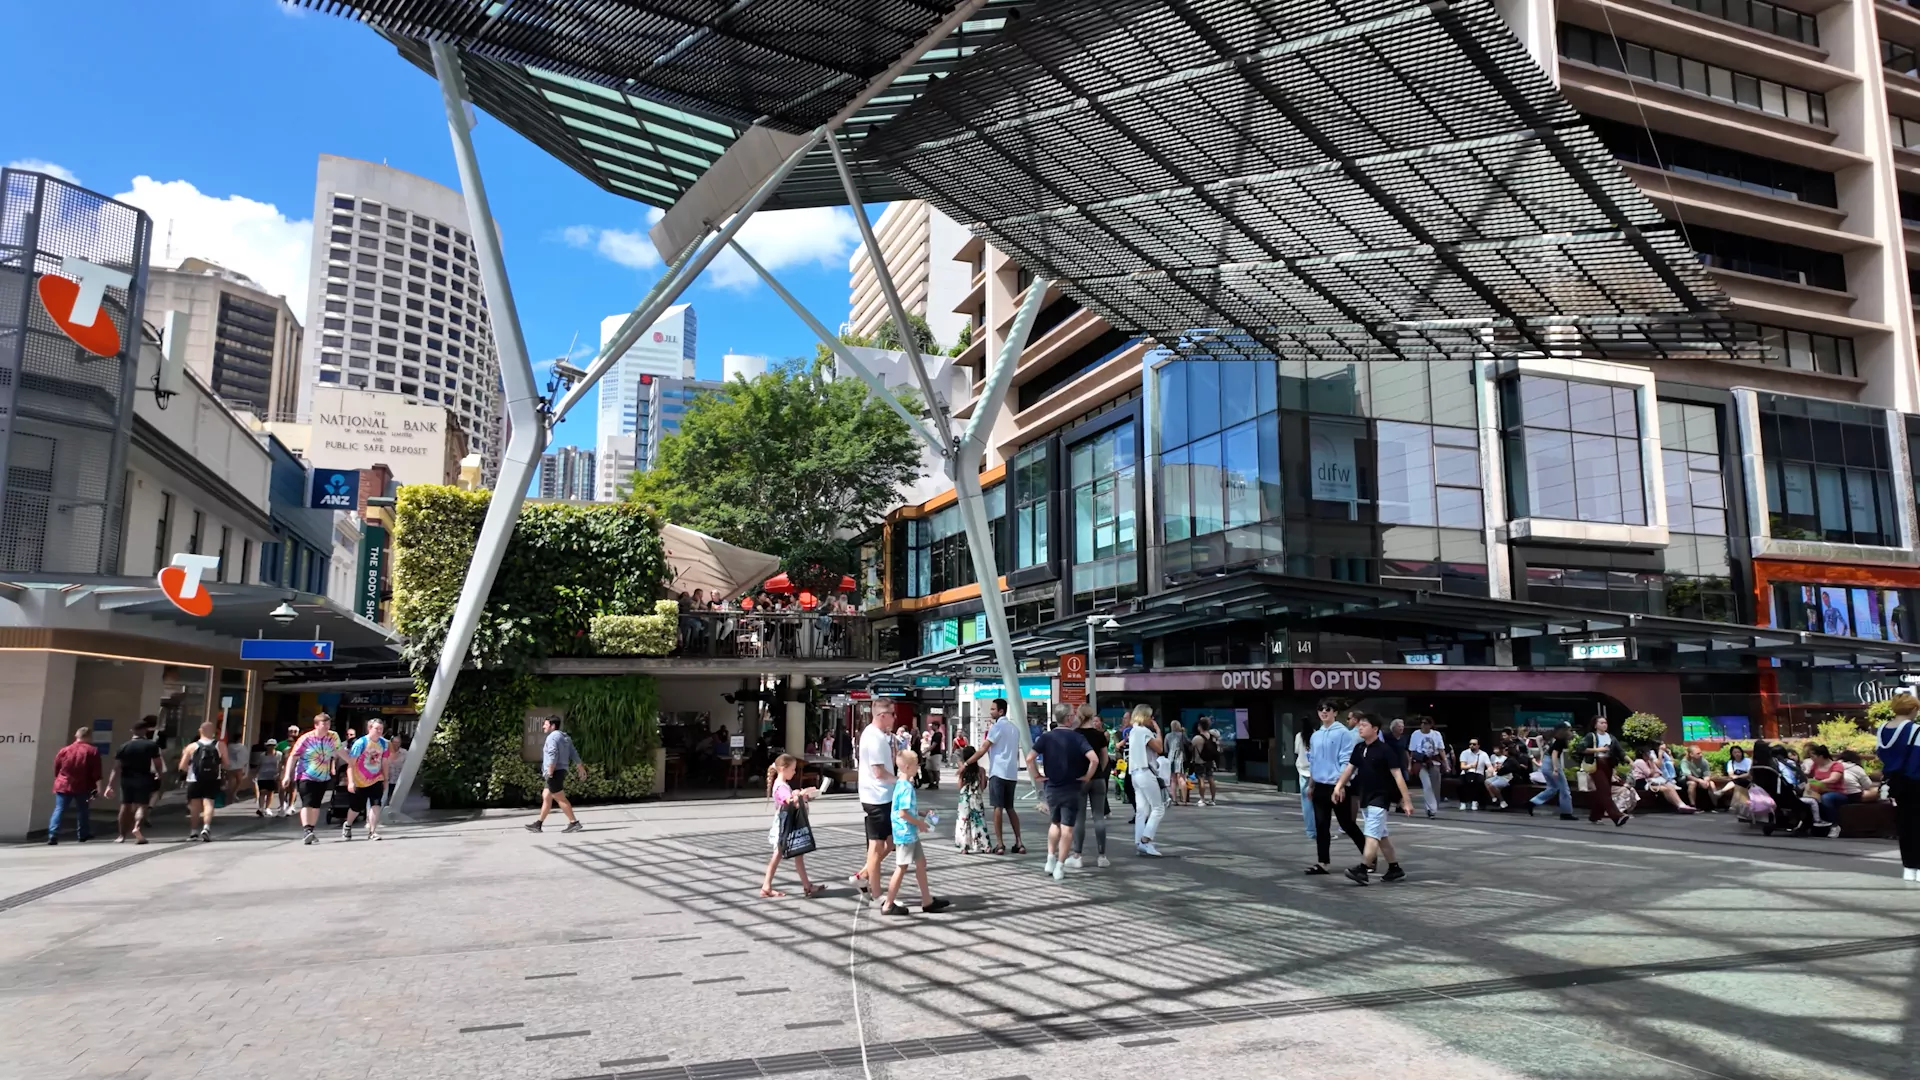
[{"x": 1101, "y": 622}]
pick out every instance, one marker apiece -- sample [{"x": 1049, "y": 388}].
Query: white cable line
[
  {"x": 853, "y": 978},
  {"x": 1659, "y": 160}
]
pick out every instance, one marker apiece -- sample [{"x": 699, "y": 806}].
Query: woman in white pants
[{"x": 1148, "y": 770}]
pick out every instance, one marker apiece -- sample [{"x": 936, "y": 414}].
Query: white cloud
[
  {"x": 247, "y": 237},
  {"x": 48, "y": 167},
  {"x": 778, "y": 239}
]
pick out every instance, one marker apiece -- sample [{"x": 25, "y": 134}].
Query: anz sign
[{"x": 334, "y": 489}]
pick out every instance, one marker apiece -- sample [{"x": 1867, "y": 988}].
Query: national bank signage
[{"x": 358, "y": 429}]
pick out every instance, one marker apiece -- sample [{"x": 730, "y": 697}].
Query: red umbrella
[
  {"x": 778, "y": 583},
  {"x": 847, "y": 584}
]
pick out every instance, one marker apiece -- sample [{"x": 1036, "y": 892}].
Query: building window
[
  {"x": 163, "y": 536},
  {"x": 1657, "y": 65},
  {"x": 1760, "y": 15},
  {"x": 1829, "y": 472},
  {"x": 1572, "y": 451},
  {"x": 1705, "y": 161},
  {"x": 246, "y": 560},
  {"x": 1696, "y": 488},
  {"x": 1804, "y": 350},
  {"x": 193, "y": 536},
  {"x": 1906, "y": 133},
  {"x": 1768, "y": 258},
  {"x": 1103, "y": 486},
  {"x": 1899, "y": 59}
]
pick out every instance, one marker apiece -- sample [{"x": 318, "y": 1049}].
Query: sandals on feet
[
  {"x": 774, "y": 894},
  {"x": 999, "y": 849},
  {"x": 1019, "y": 849}
]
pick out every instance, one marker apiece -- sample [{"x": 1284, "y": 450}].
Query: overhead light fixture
[{"x": 283, "y": 614}]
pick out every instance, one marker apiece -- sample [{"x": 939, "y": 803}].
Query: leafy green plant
[
  {"x": 481, "y": 727},
  {"x": 1643, "y": 729},
  {"x": 614, "y": 719},
  {"x": 637, "y": 635}
]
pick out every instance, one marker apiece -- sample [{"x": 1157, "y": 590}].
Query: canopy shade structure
[
  {"x": 1372, "y": 179},
  {"x": 698, "y": 561},
  {"x": 642, "y": 98}
]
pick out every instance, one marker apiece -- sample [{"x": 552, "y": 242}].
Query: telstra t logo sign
[
  {"x": 73, "y": 302},
  {"x": 181, "y": 583}
]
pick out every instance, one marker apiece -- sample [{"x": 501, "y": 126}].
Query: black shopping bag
[{"x": 796, "y": 835}]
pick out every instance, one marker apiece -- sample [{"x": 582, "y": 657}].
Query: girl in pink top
[{"x": 780, "y": 790}]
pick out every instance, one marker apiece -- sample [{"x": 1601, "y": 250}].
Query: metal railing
[{"x": 781, "y": 636}]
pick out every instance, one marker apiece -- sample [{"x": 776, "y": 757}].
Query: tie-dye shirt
[
  {"x": 369, "y": 760},
  {"x": 313, "y": 755}
]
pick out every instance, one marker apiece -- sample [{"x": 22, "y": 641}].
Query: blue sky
[{"x": 210, "y": 114}]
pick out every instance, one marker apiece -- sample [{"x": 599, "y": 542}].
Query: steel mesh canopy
[
  {"x": 1364, "y": 178},
  {"x": 643, "y": 96}
]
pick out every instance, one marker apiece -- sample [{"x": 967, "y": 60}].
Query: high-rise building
[
  {"x": 665, "y": 350},
  {"x": 663, "y": 404},
  {"x": 243, "y": 340},
  {"x": 396, "y": 303},
  {"x": 567, "y": 473},
  {"x": 918, "y": 243}
]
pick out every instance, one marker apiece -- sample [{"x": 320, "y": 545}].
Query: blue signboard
[
  {"x": 317, "y": 652},
  {"x": 334, "y": 489},
  {"x": 933, "y": 681},
  {"x": 1031, "y": 689}
]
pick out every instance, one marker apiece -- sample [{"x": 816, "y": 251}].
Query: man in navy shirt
[{"x": 1064, "y": 763}]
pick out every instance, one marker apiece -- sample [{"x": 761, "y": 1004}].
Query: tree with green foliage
[
  {"x": 791, "y": 464},
  {"x": 888, "y": 336}
]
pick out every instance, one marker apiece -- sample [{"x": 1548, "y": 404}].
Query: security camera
[
  {"x": 283, "y": 614},
  {"x": 568, "y": 372}
]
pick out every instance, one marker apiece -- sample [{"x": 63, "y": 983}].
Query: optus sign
[
  {"x": 182, "y": 583},
  {"x": 1251, "y": 679},
  {"x": 1336, "y": 679},
  {"x": 73, "y": 302}
]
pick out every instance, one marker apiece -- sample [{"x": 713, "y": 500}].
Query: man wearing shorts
[
  {"x": 874, "y": 759},
  {"x": 288, "y": 796},
  {"x": 556, "y": 756},
  {"x": 309, "y": 769},
  {"x": 366, "y": 779},
  {"x": 136, "y": 771},
  {"x": 1064, "y": 763},
  {"x": 266, "y": 775},
  {"x": 1001, "y": 748},
  {"x": 1377, "y": 769},
  {"x": 204, "y": 761}
]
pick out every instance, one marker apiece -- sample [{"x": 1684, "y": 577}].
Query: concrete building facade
[
  {"x": 917, "y": 242},
  {"x": 396, "y": 303},
  {"x": 243, "y": 340}
]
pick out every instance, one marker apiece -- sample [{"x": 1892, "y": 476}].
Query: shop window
[
  {"x": 1829, "y": 472},
  {"x": 1572, "y": 451}
]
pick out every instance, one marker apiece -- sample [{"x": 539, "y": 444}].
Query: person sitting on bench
[{"x": 1651, "y": 782}]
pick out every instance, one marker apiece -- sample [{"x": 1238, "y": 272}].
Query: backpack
[
  {"x": 1210, "y": 748},
  {"x": 206, "y": 762}
]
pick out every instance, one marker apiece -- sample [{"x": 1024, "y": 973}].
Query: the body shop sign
[{"x": 358, "y": 429}]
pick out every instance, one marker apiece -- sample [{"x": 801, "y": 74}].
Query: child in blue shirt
[{"x": 907, "y": 824}]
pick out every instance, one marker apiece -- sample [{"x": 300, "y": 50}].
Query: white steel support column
[
  {"x": 935, "y": 408},
  {"x": 682, "y": 274},
  {"x": 969, "y": 453},
  {"x": 839, "y": 348},
  {"x": 527, "y": 433}
]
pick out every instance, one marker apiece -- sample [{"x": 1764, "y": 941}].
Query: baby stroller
[{"x": 1772, "y": 804}]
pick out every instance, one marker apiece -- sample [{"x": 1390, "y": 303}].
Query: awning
[
  {"x": 698, "y": 561},
  {"x": 1381, "y": 179}
]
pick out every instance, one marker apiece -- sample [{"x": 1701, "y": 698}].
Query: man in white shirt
[
  {"x": 1001, "y": 748},
  {"x": 1474, "y": 767},
  {"x": 1428, "y": 754},
  {"x": 875, "y": 762},
  {"x": 1144, "y": 766}
]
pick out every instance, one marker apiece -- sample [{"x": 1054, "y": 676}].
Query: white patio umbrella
[{"x": 698, "y": 561}]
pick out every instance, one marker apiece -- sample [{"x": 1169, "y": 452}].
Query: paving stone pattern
[{"x": 639, "y": 949}]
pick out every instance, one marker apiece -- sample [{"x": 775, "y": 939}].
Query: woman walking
[
  {"x": 1553, "y": 767},
  {"x": 1146, "y": 767},
  {"x": 1094, "y": 812}
]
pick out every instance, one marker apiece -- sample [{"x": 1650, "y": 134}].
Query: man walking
[
  {"x": 136, "y": 771},
  {"x": 1064, "y": 763},
  {"x": 76, "y": 776},
  {"x": 367, "y": 779},
  {"x": 1327, "y": 755},
  {"x": 874, "y": 758},
  {"x": 1378, "y": 768},
  {"x": 1206, "y": 759},
  {"x": 557, "y": 755},
  {"x": 1001, "y": 748},
  {"x": 1427, "y": 752},
  {"x": 204, "y": 761},
  {"x": 309, "y": 770},
  {"x": 1144, "y": 767},
  {"x": 1605, "y": 752}
]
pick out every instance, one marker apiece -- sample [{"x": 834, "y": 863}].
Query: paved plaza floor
[{"x": 467, "y": 948}]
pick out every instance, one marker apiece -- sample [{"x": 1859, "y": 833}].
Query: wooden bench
[{"x": 1872, "y": 820}]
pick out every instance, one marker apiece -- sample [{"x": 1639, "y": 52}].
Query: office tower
[
  {"x": 567, "y": 473},
  {"x": 663, "y": 404},
  {"x": 396, "y": 303},
  {"x": 665, "y": 350},
  {"x": 243, "y": 340},
  {"x": 918, "y": 243}
]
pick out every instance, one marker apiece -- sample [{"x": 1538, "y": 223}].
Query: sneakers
[
  {"x": 574, "y": 826},
  {"x": 206, "y": 835},
  {"x": 1394, "y": 873},
  {"x": 1102, "y": 862},
  {"x": 533, "y": 826},
  {"x": 373, "y": 836},
  {"x": 311, "y": 839},
  {"x": 119, "y": 839},
  {"x": 1074, "y": 863},
  {"x": 346, "y": 832},
  {"x": 1431, "y": 815},
  {"x": 1050, "y": 866},
  {"x": 1911, "y": 874},
  {"x": 1568, "y": 817},
  {"x": 1357, "y": 874},
  {"x": 257, "y": 812},
  {"x": 895, "y": 909},
  {"x": 935, "y": 906},
  {"x": 1149, "y": 850},
  {"x": 1059, "y": 871}
]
